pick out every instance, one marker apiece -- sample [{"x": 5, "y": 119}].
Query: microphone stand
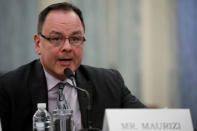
[
  {"x": 89, "y": 109},
  {"x": 70, "y": 75}
]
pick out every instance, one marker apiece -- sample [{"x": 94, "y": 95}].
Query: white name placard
[{"x": 147, "y": 120}]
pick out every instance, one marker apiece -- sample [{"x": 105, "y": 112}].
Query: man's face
[{"x": 56, "y": 58}]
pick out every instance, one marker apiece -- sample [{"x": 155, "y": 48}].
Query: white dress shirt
[{"x": 70, "y": 94}]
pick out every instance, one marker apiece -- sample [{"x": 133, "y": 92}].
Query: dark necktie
[{"x": 61, "y": 101}]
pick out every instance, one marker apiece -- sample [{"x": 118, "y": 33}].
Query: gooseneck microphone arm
[
  {"x": 89, "y": 107},
  {"x": 69, "y": 74}
]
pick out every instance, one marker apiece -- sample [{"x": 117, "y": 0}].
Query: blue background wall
[{"x": 187, "y": 25}]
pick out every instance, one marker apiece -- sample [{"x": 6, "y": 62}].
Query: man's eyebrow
[
  {"x": 59, "y": 33},
  {"x": 55, "y": 32},
  {"x": 76, "y": 33}
]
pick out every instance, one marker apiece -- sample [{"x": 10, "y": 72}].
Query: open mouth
[
  {"x": 65, "y": 62},
  {"x": 65, "y": 59}
]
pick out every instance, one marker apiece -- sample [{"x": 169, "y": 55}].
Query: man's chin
[{"x": 61, "y": 77}]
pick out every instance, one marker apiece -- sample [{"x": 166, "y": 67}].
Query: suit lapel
[
  {"x": 84, "y": 83},
  {"x": 38, "y": 87}
]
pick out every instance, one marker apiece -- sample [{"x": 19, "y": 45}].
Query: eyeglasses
[{"x": 58, "y": 40}]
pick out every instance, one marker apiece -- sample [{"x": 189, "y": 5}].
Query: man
[{"x": 59, "y": 42}]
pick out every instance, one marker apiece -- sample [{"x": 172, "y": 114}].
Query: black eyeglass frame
[{"x": 69, "y": 39}]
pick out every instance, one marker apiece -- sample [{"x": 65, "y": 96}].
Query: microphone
[{"x": 69, "y": 74}]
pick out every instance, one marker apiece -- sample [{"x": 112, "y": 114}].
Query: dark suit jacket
[{"x": 23, "y": 88}]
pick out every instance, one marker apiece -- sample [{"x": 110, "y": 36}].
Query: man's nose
[{"x": 67, "y": 45}]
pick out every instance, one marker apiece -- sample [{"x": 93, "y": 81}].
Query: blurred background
[{"x": 153, "y": 43}]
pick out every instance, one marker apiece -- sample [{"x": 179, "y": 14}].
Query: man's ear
[{"x": 37, "y": 43}]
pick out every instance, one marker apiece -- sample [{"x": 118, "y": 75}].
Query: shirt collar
[{"x": 52, "y": 81}]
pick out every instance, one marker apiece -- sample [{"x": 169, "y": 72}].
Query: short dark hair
[{"x": 65, "y": 6}]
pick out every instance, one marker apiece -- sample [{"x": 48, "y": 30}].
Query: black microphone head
[{"x": 68, "y": 72}]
